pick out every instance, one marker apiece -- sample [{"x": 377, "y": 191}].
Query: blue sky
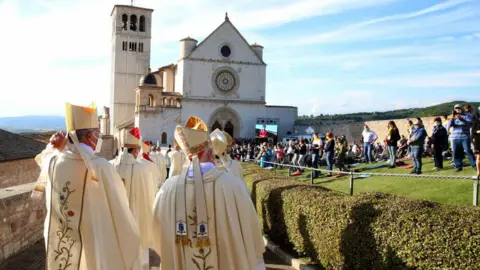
[{"x": 330, "y": 56}]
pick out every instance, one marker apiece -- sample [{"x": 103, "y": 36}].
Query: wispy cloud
[
  {"x": 387, "y": 27},
  {"x": 449, "y": 80}
]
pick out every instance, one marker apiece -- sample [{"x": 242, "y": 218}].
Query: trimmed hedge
[{"x": 368, "y": 231}]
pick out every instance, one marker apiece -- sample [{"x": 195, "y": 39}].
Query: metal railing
[{"x": 476, "y": 180}]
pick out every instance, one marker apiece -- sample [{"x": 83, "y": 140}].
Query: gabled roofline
[
  {"x": 127, "y": 6},
  {"x": 227, "y": 20}
]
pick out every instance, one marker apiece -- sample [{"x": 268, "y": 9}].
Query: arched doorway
[
  {"x": 216, "y": 125},
  {"x": 164, "y": 138},
  {"x": 226, "y": 119},
  {"x": 229, "y": 128}
]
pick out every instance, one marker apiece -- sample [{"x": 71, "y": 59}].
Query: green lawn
[{"x": 446, "y": 191}]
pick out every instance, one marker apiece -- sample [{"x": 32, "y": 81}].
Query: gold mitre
[
  {"x": 219, "y": 142},
  {"x": 193, "y": 138},
  {"x": 131, "y": 138},
  {"x": 229, "y": 139},
  {"x": 146, "y": 147},
  {"x": 78, "y": 117}
]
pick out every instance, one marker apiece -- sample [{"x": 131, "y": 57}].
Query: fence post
[
  {"x": 351, "y": 183},
  {"x": 475, "y": 191},
  {"x": 311, "y": 176},
  {"x": 275, "y": 168}
]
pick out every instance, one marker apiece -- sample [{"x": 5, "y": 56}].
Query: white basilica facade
[{"x": 221, "y": 80}]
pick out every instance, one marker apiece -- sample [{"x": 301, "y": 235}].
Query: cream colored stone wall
[
  {"x": 21, "y": 222},
  {"x": 17, "y": 172},
  {"x": 353, "y": 129}
]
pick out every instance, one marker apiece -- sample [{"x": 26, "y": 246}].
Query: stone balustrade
[{"x": 21, "y": 220}]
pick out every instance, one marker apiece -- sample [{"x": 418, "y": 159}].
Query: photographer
[{"x": 461, "y": 123}]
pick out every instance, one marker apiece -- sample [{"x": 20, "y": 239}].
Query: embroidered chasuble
[
  {"x": 140, "y": 192},
  {"x": 88, "y": 223},
  {"x": 234, "y": 231}
]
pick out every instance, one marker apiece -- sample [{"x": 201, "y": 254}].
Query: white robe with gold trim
[
  {"x": 161, "y": 163},
  {"x": 177, "y": 159},
  {"x": 88, "y": 223},
  {"x": 234, "y": 228},
  {"x": 138, "y": 184},
  {"x": 233, "y": 166},
  {"x": 155, "y": 175}
]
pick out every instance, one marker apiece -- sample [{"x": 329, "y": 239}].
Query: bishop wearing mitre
[
  {"x": 88, "y": 223},
  {"x": 221, "y": 142},
  {"x": 138, "y": 184},
  {"x": 204, "y": 218}
]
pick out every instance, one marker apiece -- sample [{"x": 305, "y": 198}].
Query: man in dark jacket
[
  {"x": 439, "y": 143},
  {"x": 417, "y": 145},
  {"x": 476, "y": 137}
]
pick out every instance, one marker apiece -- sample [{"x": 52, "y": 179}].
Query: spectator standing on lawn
[
  {"x": 461, "y": 123},
  {"x": 417, "y": 145},
  {"x": 369, "y": 139},
  {"x": 476, "y": 137},
  {"x": 330, "y": 152},
  {"x": 439, "y": 143},
  {"x": 317, "y": 145},
  {"x": 391, "y": 141}
]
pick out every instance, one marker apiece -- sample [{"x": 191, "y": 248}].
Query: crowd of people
[
  {"x": 187, "y": 203},
  {"x": 190, "y": 202},
  {"x": 452, "y": 138}
]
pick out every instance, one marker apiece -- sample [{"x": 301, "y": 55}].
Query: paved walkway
[{"x": 34, "y": 259}]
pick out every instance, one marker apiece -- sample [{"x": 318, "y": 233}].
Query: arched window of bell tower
[
  {"x": 142, "y": 23},
  {"x": 133, "y": 22},
  {"x": 151, "y": 100},
  {"x": 124, "y": 21}
]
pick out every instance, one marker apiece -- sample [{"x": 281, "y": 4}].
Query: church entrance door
[
  {"x": 226, "y": 119},
  {"x": 229, "y": 128},
  {"x": 216, "y": 125}
]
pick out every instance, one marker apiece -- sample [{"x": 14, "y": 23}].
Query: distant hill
[
  {"x": 24, "y": 124},
  {"x": 436, "y": 110}
]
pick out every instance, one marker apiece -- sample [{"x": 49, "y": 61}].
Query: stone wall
[
  {"x": 18, "y": 172},
  {"x": 353, "y": 129},
  {"x": 380, "y": 127},
  {"x": 21, "y": 222}
]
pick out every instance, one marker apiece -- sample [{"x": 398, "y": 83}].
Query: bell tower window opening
[
  {"x": 140, "y": 47},
  {"x": 134, "y": 46},
  {"x": 133, "y": 22},
  {"x": 151, "y": 100},
  {"x": 142, "y": 23},
  {"x": 124, "y": 22},
  {"x": 124, "y": 46}
]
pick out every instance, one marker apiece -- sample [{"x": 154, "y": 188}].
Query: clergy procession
[{"x": 191, "y": 206}]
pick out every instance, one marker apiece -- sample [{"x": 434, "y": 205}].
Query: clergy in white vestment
[
  {"x": 138, "y": 184},
  {"x": 177, "y": 159},
  {"x": 204, "y": 218},
  {"x": 88, "y": 223},
  {"x": 147, "y": 159},
  {"x": 160, "y": 162},
  {"x": 221, "y": 142}
]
